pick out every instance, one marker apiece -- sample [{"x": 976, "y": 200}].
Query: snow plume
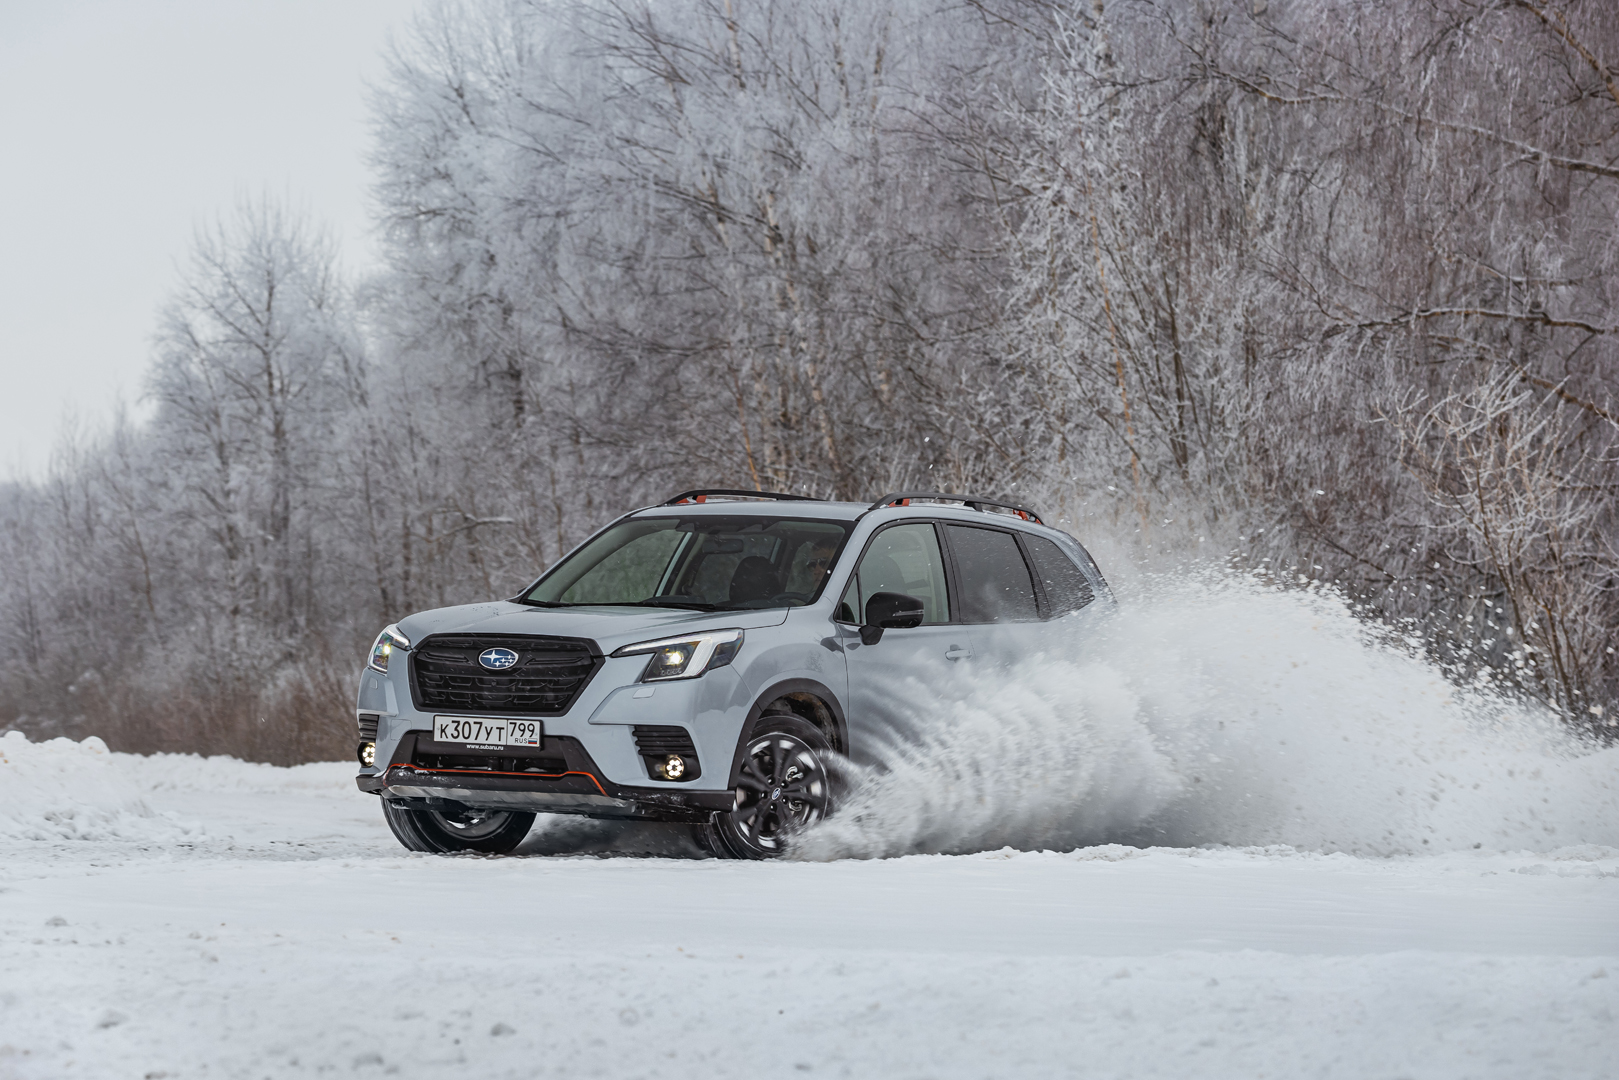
[
  {"x": 65, "y": 790},
  {"x": 1216, "y": 710}
]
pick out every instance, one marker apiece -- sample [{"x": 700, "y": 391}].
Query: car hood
[{"x": 609, "y": 627}]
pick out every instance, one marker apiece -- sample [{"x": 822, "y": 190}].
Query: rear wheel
[
  {"x": 782, "y": 788},
  {"x": 444, "y": 832}
]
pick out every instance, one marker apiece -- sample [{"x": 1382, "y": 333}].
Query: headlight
[
  {"x": 387, "y": 641},
  {"x": 686, "y": 657}
]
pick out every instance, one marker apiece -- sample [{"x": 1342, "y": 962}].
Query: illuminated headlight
[
  {"x": 387, "y": 641},
  {"x": 368, "y": 754},
  {"x": 686, "y": 657}
]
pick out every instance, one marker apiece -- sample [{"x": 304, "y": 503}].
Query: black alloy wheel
[
  {"x": 446, "y": 832},
  {"x": 782, "y": 788}
]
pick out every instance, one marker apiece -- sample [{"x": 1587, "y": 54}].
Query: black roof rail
[
  {"x": 700, "y": 495},
  {"x": 974, "y": 502}
]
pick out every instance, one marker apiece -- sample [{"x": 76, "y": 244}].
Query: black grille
[
  {"x": 505, "y": 763},
  {"x": 548, "y": 676},
  {"x": 659, "y": 739},
  {"x": 368, "y": 727}
]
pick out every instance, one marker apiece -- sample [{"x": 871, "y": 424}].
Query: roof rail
[
  {"x": 973, "y": 502},
  {"x": 702, "y": 495}
]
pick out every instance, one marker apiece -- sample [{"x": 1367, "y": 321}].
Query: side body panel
[{"x": 890, "y": 683}]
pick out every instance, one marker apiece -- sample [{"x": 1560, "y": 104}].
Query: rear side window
[
  {"x": 902, "y": 559},
  {"x": 995, "y": 585},
  {"x": 1066, "y": 587}
]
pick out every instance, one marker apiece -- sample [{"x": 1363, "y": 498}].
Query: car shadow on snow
[{"x": 559, "y": 834}]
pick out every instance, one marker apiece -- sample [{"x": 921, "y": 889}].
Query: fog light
[
  {"x": 674, "y": 768},
  {"x": 368, "y": 754}
]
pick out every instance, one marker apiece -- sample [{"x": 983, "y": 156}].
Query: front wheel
[
  {"x": 445, "y": 832},
  {"x": 782, "y": 788}
]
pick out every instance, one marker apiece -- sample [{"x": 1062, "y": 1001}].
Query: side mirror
[{"x": 889, "y": 611}]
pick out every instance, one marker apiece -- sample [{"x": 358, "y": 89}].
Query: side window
[
  {"x": 995, "y": 585},
  {"x": 1065, "y": 584},
  {"x": 901, "y": 559}
]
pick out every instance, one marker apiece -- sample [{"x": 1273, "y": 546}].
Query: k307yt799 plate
[{"x": 487, "y": 732}]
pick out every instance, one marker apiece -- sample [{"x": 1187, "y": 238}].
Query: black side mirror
[{"x": 889, "y": 611}]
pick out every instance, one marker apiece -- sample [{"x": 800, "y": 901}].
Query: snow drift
[
  {"x": 1216, "y": 710},
  {"x": 66, "y": 790}
]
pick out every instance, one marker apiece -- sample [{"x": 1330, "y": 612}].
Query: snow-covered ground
[
  {"x": 211, "y": 918},
  {"x": 1359, "y": 873}
]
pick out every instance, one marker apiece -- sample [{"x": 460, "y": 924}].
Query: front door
[{"x": 891, "y": 683}]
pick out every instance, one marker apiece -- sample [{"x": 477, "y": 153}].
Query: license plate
[{"x": 484, "y": 731}]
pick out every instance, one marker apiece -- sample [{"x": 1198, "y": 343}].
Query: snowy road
[{"x": 215, "y": 919}]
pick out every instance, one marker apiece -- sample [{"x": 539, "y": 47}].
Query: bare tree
[{"x": 1330, "y": 284}]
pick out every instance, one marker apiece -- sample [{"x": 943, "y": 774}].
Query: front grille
[{"x": 549, "y": 674}]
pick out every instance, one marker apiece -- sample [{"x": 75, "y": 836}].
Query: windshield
[{"x": 705, "y": 563}]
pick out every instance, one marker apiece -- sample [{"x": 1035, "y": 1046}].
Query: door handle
[{"x": 956, "y": 652}]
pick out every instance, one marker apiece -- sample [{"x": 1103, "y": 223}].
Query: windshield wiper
[
  {"x": 549, "y": 603},
  {"x": 670, "y": 601}
]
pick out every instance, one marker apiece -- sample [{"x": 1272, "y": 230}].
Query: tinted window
[
  {"x": 1066, "y": 587},
  {"x": 901, "y": 559},
  {"x": 995, "y": 585}
]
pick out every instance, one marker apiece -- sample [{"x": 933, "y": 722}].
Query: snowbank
[
  {"x": 194, "y": 773},
  {"x": 1219, "y": 711},
  {"x": 66, "y": 790}
]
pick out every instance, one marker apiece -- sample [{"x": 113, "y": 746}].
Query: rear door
[
  {"x": 999, "y": 606},
  {"x": 889, "y": 682}
]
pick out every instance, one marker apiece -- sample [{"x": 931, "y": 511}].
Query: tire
[
  {"x": 784, "y": 757},
  {"x": 446, "y": 832}
]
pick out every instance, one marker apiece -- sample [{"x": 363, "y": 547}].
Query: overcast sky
[{"x": 126, "y": 125}]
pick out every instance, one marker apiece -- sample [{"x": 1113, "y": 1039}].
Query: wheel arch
[{"x": 807, "y": 699}]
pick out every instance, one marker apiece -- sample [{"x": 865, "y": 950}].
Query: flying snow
[{"x": 1216, "y": 710}]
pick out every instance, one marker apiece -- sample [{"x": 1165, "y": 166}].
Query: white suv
[{"x": 705, "y": 660}]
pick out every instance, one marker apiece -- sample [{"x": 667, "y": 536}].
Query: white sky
[{"x": 126, "y": 125}]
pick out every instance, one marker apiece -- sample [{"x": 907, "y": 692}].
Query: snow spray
[{"x": 1213, "y": 709}]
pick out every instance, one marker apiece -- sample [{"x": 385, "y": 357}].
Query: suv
[{"x": 706, "y": 661}]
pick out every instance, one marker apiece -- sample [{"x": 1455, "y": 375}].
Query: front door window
[{"x": 902, "y": 559}]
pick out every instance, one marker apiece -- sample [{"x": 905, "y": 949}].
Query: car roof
[
  {"x": 765, "y": 508},
  {"x": 827, "y": 510}
]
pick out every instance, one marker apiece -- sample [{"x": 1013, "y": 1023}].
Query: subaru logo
[{"x": 497, "y": 659}]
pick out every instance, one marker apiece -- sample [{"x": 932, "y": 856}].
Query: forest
[{"x": 1320, "y": 290}]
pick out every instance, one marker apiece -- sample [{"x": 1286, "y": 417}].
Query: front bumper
[
  {"x": 561, "y": 778},
  {"x": 712, "y": 709}
]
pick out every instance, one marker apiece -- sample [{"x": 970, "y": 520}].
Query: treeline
[{"x": 1327, "y": 284}]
